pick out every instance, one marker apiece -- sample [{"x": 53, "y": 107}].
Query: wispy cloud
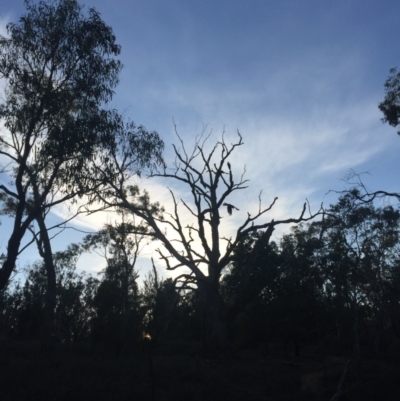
[{"x": 301, "y": 83}]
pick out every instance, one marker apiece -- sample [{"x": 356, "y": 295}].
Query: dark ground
[{"x": 176, "y": 371}]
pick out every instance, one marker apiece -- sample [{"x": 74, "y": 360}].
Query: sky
[{"x": 300, "y": 80}]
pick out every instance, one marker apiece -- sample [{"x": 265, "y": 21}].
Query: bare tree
[
  {"x": 199, "y": 246},
  {"x": 360, "y": 191}
]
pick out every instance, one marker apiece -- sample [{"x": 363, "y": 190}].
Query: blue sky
[{"x": 301, "y": 80}]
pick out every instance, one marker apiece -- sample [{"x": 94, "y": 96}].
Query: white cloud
[{"x": 4, "y": 20}]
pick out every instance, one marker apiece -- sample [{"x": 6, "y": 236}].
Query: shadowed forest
[{"x": 313, "y": 316}]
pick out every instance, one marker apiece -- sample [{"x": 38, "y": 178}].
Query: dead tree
[{"x": 199, "y": 246}]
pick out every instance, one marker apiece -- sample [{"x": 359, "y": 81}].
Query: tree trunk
[
  {"x": 356, "y": 337},
  {"x": 213, "y": 313},
  {"x": 13, "y": 246},
  {"x": 51, "y": 290},
  {"x": 12, "y": 254}
]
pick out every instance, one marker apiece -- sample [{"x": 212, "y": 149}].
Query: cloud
[
  {"x": 4, "y": 20},
  {"x": 301, "y": 89}
]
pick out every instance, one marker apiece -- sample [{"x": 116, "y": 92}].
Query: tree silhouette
[
  {"x": 390, "y": 107},
  {"x": 117, "y": 301},
  {"x": 205, "y": 178},
  {"x": 60, "y": 68}
]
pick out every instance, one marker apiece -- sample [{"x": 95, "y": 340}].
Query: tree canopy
[
  {"x": 60, "y": 67},
  {"x": 390, "y": 107}
]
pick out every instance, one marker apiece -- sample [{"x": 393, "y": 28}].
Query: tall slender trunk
[{"x": 51, "y": 290}]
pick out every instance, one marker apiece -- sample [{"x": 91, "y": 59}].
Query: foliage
[
  {"x": 390, "y": 107},
  {"x": 60, "y": 68},
  {"x": 118, "y": 313},
  {"x": 23, "y": 306},
  {"x": 333, "y": 282},
  {"x": 332, "y": 285}
]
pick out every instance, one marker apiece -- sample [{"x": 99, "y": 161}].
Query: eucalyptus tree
[
  {"x": 284, "y": 296},
  {"x": 60, "y": 67},
  {"x": 199, "y": 246},
  {"x": 390, "y": 106},
  {"x": 117, "y": 300},
  {"x": 72, "y": 311},
  {"x": 359, "y": 260}
]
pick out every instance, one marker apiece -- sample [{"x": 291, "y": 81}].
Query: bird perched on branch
[{"x": 230, "y": 207}]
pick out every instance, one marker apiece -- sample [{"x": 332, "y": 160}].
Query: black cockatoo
[{"x": 230, "y": 208}]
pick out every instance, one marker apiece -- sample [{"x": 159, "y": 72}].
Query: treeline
[
  {"x": 332, "y": 285},
  {"x": 109, "y": 310}
]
